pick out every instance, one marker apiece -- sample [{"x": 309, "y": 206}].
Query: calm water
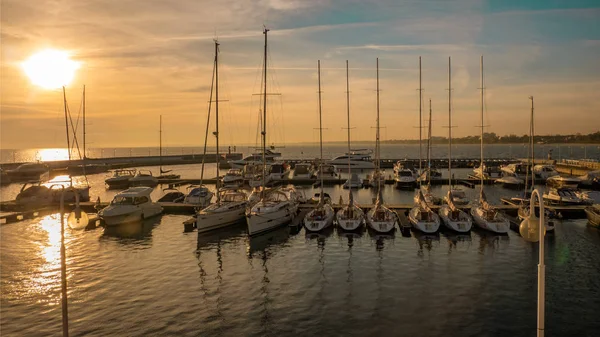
[
  {"x": 310, "y": 151},
  {"x": 152, "y": 279}
]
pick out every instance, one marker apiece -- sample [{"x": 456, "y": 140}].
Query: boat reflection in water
[
  {"x": 425, "y": 241},
  {"x": 139, "y": 232},
  {"x": 457, "y": 241},
  {"x": 490, "y": 241}
]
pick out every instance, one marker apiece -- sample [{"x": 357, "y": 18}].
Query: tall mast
[
  {"x": 429, "y": 148},
  {"x": 217, "y": 114},
  {"x": 84, "y": 153},
  {"x": 320, "y": 131},
  {"x": 420, "y": 121},
  {"x": 264, "y": 124},
  {"x": 67, "y": 123},
  {"x": 532, "y": 145},
  {"x": 160, "y": 143},
  {"x": 377, "y": 154},
  {"x": 481, "y": 134},
  {"x": 449, "y": 123},
  {"x": 348, "y": 112}
]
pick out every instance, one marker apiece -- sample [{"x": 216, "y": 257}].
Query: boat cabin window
[
  {"x": 276, "y": 197},
  {"x": 140, "y": 200},
  {"x": 405, "y": 174},
  {"x": 233, "y": 197},
  {"x": 122, "y": 201}
]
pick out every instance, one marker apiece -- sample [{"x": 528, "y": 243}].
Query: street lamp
[{"x": 533, "y": 229}]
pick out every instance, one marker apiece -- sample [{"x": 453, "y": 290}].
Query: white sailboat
[
  {"x": 430, "y": 197},
  {"x": 321, "y": 216},
  {"x": 350, "y": 217},
  {"x": 484, "y": 214},
  {"x": 276, "y": 207},
  {"x": 452, "y": 217},
  {"x": 380, "y": 218},
  {"x": 422, "y": 217},
  {"x": 230, "y": 206}
]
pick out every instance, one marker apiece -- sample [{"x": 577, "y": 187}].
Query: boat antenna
[
  {"x": 264, "y": 124},
  {"x": 216, "y": 133},
  {"x": 320, "y": 132}
]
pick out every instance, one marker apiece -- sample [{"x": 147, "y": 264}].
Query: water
[
  {"x": 311, "y": 151},
  {"x": 153, "y": 279}
]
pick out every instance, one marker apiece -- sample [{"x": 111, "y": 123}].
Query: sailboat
[
  {"x": 350, "y": 217},
  {"x": 230, "y": 207},
  {"x": 163, "y": 174},
  {"x": 484, "y": 214},
  {"x": 431, "y": 198},
  {"x": 321, "y": 216},
  {"x": 453, "y": 217},
  {"x": 277, "y": 206},
  {"x": 380, "y": 218}
]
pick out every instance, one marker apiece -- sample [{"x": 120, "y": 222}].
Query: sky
[{"x": 144, "y": 58}]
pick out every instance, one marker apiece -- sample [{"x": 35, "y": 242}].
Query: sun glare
[
  {"x": 50, "y": 69},
  {"x": 53, "y": 154}
]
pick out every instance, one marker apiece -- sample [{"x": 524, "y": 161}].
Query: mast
[
  {"x": 208, "y": 121},
  {"x": 420, "y": 121},
  {"x": 429, "y": 148},
  {"x": 67, "y": 123},
  {"x": 348, "y": 112},
  {"x": 264, "y": 124},
  {"x": 320, "y": 131},
  {"x": 84, "y": 153},
  {"x": 450, "y": 123},
  {"x": 377, "y": 154},
  {"x": 532, "y": 145},
  {"x": 217, "y": 115},
  {"x": 160, "y": 144},
  {"x": 481, "y": 134}
]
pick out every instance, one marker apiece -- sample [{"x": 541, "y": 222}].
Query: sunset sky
[{"x": 143, "y": 58}]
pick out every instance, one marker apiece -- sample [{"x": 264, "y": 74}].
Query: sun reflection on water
[{"x": 52, "y": 154}]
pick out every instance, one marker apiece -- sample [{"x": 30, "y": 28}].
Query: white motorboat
[
  {"x": 453, "y": 217},
  {"x": 544, "y": 171},
  {"x": 303, "y": 171},
  {"x": 233, "y": 177},
  {"x": 380, "y": 218},
  {"x": 273, "y": 210},
  {"x": 256, "y": 159},
  {"x": 358, "y": 159},
  {"x": 199, "y": 195},
  {"x": 353, "y": 182},
  {"x": 487, "y": 172},
  {"x": 229, "y": 209},
  {"x": 558, "y": 182},
  {"x": 131, "y": 205},
  {"x": 458, "y": 197},
  {"x": 422, "y": 217},
  {"x": 484, "y": 214},
  {"x": 279, "y": 171},
  {"x": 50, "y": 192},
  {"x": 120, "y": 178},
  {"x": 563, "y": 196},
  {"x": 405, "y": 179},
  {"x": 143, "y": 178},
  {"x": 510, "y": 180},
  {"x": 519, "y": 169},
  {"x": 326, "y": 171},
  {"x": 593, "y": 215}
]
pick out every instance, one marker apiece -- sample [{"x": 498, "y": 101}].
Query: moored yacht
[
  {"x": 255, "y": 158},
  {"x": 303, "y": 171},
  {"x": 560, "y": 181},
  {"x": 199, "y": 195},
  {"x": 131, "y": 205},
  {"x": 544, "y": 171},
  {"x": 50, "y": 192},
  {"x": 453, "y": 217},
  {"x": 404, "y": 178},
  {"x": 120, "y": 178},
  {"x": 487, "y": 172},
  {"x": 279, "y": 171},
  {"x": 358, "y": 159},
  {"x": 233, "y": 177},
  {"x": 563, "y": 196},
  {"x": 326, "y": 171},
  {"x": 229, "y": 209},
  {"x": 422, "y": 217},
  {"x": 143, "y": 178},
  {"x": 273, "y": 210}
]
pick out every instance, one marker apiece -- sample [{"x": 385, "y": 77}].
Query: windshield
[
  {"x": 405, "y": 174},
  {"x": 122, "y": 201}
]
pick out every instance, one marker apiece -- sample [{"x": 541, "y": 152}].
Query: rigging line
[{"x": 75, "y": 141}]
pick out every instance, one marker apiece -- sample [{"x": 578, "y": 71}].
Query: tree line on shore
[{"x": 493, "y": 138}]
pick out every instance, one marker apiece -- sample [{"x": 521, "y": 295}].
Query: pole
[
  {"x": 481, "y": 135},
  {"x": 84, "y": 153},
  {"x": 420, "y": 121},
  {"x": 377, "y": 155},
  {"x": 67, "y": 123},
  {"x": 348, "y": 112},
  {"x": 160, "y": 144},
  {"x": 450, "y": 125},
  {"x": 541, "y": 265},
  {"x": 532, "y": 145},
  {"x": 217, "y": 115},
  {"x": 320, "y": 132},
  {"x": 63, "y": 267},
  {"x": 264, "y": 124}
]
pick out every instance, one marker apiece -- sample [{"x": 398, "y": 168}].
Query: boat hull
[
  {"x": 461, "y": 225},
  {"x": 500, "y": 225},
  {"x": 425, "y": 226},
  {"x": 316, "y": 224},
  {"x": 264, "y": 222},
  {"x": 215, "y": 220},
  {"x": 117, "y": 183}
]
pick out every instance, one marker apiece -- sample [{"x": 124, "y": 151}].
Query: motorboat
[
  {"x": 199, "y": 195},
  {"x": 173, "y": 196},
  {"x": 50, "y": 192},
  {"x": 488, "y": 217},
  {"x": 326, "y": 171},
  {"x": 422, "y": 217},
  {"x": 359, "y": 159},
  {"x": 279, "y": 171},
  {"x": 353, "y": 182},
  {"x": 303, "y": 171},
  {"x": 593, "y": 215},
  {"x": 273, "y": 210},
  {"x": 131, "y": 205},
  {"x": 453, "y": 217},
  {"x": 429, "y": 174},
  {"x": 251, "y": 170},
  {"x": 591, "y": 180},
  {"x": 143, "y": 178},
  {"x": 563, "y": 196},
  {"x": 120, "y": 178},
  {"x": 457, "y": 196},
  {"x": 405, "y": 179},
  {"x": 28, "y": 172},
  {"x": 510, "y": 180},
  {"x": 544, "y": 171},
  {"x": 515, "y": 168},
  {"x": 255, "y": 158},
  {"x": 229, "y": 209},
  {"x": 233, "y": 177},
  {"x": 559, "y": 181},
  {"x": 487, "y": 172}
]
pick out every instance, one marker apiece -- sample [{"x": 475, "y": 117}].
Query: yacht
[
  {"x": 143, "y": 178},
  {"x": 255, "y": 158},
  {"x": 430, "y": 198},
  {"x": 322, "y": 215},
  {"x": 326, "y": 171},
  {"x": 457, "y": 196},
  {"x": 593, "y": 215},
  {"x": 359, "y": 159},
  {"x": 131, "y": 205},
  {"x": 590, "y": 180},
  {"x": 510, "y": 179},
  {"x": 303, "y": 171},
  {"x": 453, "y": 217},
  {"x": 544, "y": 171},
  {"x": 120, "y": 178},
  {"x": 233, "y": 177},
  {"x": 251, "y": 170},
  {"x": 50, "y": 192},
  {"x": 28, "y": 172},
  {"x": 279, "y": 171},
  {"x": 229, "y": 209},
  {"x": 404, "y": 178},
  {"x": 488, "y": 172},
  {"x": 199, "y": 195},
  {"x": 563, "y": 196},
  {"x": 422, "y": 217},
  {"x": 376, "y": 179},
  {"x": 559, "y": 181}
]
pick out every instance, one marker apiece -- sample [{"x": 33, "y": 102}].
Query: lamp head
[
  {"x": 530, "y": 228},
  {"x": 78, "y": 219}
]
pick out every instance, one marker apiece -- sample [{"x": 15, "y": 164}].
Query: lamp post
[{"x": 533, "y": 229}]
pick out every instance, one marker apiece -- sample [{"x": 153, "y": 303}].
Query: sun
[{"x": 50, "y": 68}]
